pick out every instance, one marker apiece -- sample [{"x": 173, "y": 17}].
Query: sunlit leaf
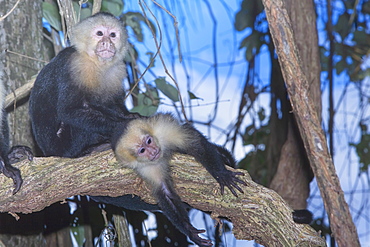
[
  {"x": 246, "y": 16},
  {"x": 167, "y": 89},
  {"x": 363, "y": 151},
  {"x": 193, "y": 96},
  {"x": 78, "y": 233},
  {"x": 342, "y": 26},
  {"x": 134, "y": 20},
  {"x": 112, "y": 6},
  {"x": 51, "y": 14},
  {"x": 341, "y": 66},
  {"x": 361, "y": 37},
  {"x": 148, "y": 102}
]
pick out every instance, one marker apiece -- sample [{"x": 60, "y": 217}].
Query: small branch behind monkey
[
  {"x": 158, "y": 46},
  {"x": 19, "y": 94},
  {"x": 10, "y": 11}
]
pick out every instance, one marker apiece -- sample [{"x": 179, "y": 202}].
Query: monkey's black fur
[{"x": 302, "y": 216}]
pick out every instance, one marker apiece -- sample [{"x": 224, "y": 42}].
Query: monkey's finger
[
  {"x": 233, "y": 191},
  {"x": 17, "y": 185},
  {"x": 236, "y": 186},
  {"x": 222, "y": 189},
  {"x": 237, "y": 180}
]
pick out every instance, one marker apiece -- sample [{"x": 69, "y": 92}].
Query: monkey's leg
[
  {"x": 11, "y": 172},
  {"x": 173, "y": 208}
]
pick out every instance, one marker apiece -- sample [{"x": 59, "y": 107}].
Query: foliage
[
  {"x": 363, "y": 148},
  {"x": 352, "y": 39}
]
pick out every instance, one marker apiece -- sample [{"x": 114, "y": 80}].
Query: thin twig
[
  {"x": 158, "y": 45},
  {"x": 6, "y": 15},
  {"x": 25, "y": 56}
]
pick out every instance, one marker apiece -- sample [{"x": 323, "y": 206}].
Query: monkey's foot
[
  {"x": 18, "y": 153},
  {"x": 13, "y": 173},
  {"x": 193, "y": 235},
  {"x": 302, "y": 216}
]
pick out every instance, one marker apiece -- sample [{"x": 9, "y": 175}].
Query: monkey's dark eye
[
  {"x": 142, "y": 150},
  {"x": 113, "y": 35},
  {"x": 149, "y": 141},
  {"x": 99, "y": 33}
]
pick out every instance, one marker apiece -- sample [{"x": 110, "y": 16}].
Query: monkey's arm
[
  {"x": 213, "y": 158},
  {"x": 75, "y": 111}
]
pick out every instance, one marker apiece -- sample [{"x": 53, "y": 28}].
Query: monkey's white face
[
  {"x": 107, "y": 39},
  {"x": 148, "y": 150}
]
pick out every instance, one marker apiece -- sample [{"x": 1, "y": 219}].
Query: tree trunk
[
  {"x": 21, "y": 42},
  {"x": 21, "y": 38},
  {"x": 293, "y": 163},
  {"x": 341, "y": 223}
]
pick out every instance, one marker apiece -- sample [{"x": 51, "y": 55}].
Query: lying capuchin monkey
[{"x": 147, "y": 146}]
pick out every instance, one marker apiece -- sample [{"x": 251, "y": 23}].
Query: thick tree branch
[
  {"x": 309, "y": 124},
  {"x": 259, "y": 213}
]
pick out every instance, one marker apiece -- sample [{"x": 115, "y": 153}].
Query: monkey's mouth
[
  {"x": 105, "y": 53},
  {"x": 156, "y": 155}
]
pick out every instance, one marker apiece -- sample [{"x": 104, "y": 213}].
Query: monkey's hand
[
  {"x": 228, "y": 178},
  {"x": 18, "y": 153},
  {"x": 13, "y": 173}
]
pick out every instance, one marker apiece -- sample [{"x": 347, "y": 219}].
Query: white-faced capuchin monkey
[
  {"x": 78, "y": 99},
  {"x": 147, "y": 146}
]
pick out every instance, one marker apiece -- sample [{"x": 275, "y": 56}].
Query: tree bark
[
  {"x": 21, "y": 58},
  {"x": 259, "y": 214},
  {"x": 293, "y": 162},
  {"x": 309, "y": 124},
  {"x": 20, "y": 47}
]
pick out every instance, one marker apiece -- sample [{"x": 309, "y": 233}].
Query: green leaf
[
  {"x": 193, "y": 96},
  {"x": 148, "y": 102},
  {"x": 341, "y": 66},
  {"x": 167, "y": 89},
  {"x": 342, "y": 26},
  {"x": 78, "y": 233},
  {"x": 83, "y": 12},
  {"x": 51, "y": 14},
  {"x": 145, "y": 110},
  {"x": 247, "y": 14},
  {"x": 151, "y": 59},
  {"x": 363, "y": 151},
  {"x": 112, "y": 6},
  {"x": 252, "y": 43},
  {"x": 134, "y": 20},
  {"x": 361, "y": 37}
]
